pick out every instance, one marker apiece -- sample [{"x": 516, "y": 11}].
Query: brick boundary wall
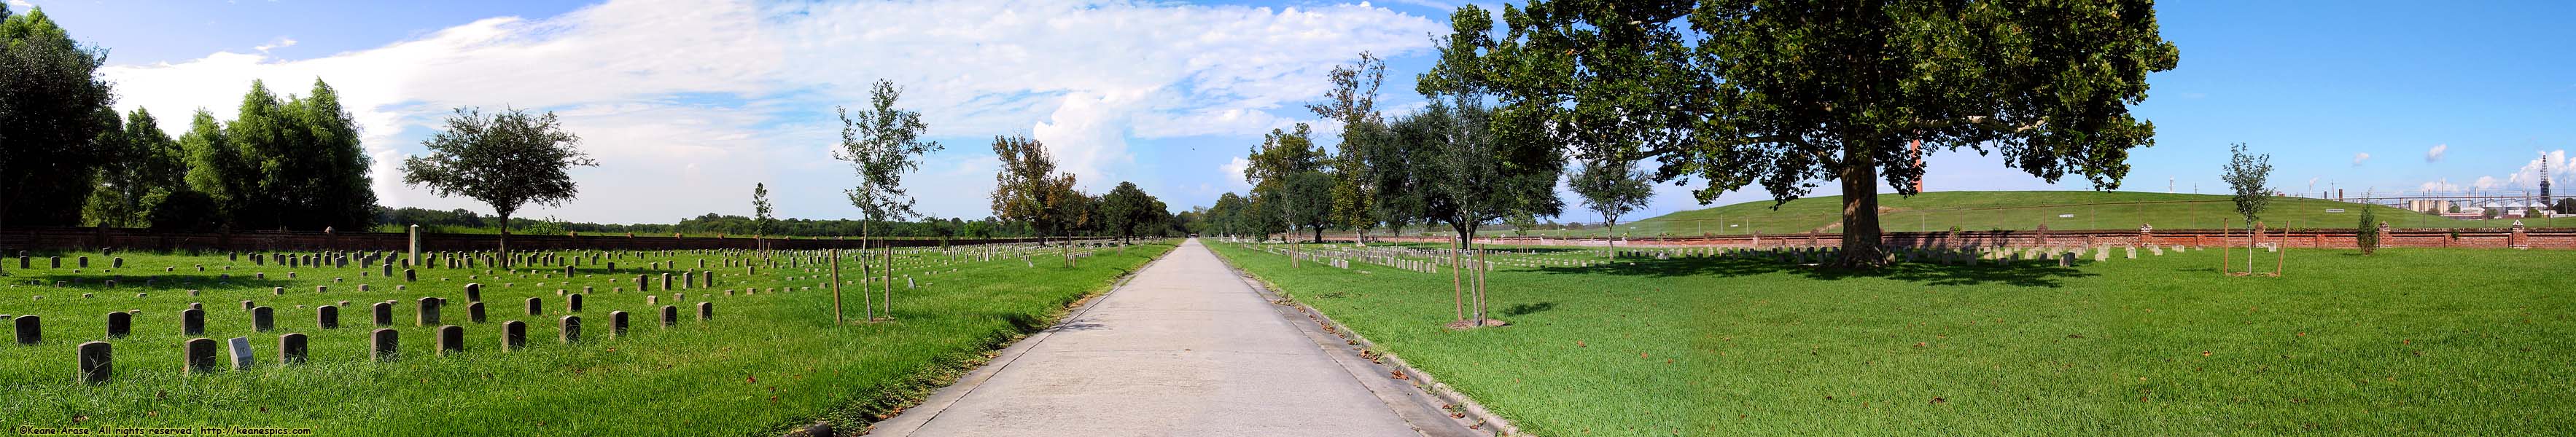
[
  {"x": 62, "y": 238},
  {"x": 2513, "y": 238}
]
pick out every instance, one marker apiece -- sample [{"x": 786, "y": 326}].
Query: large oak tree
[{"x": 1789, "y": 93}]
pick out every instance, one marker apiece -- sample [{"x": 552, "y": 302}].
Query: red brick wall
[
  {"x": 2564, "y": 239},
  {"x": 53, "y": 238}
]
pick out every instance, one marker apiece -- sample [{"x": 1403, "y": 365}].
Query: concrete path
[{"x": 1186, "y": 348}]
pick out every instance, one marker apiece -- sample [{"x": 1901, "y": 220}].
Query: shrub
[{"x": 2366, "y": 235}]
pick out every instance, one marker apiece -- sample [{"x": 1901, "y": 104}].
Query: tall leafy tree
[
  {"x": 54, "y": 108},
  {"x": 506, "y": 160},
  {"x": 1613, "y": 187},
  {"x": 300, "y": 163},
  {"x": 1288, "y": 173},
  {"x": 2246, "y": 174},
  {"x": 1028, "y": 189},
  {"x": 1473, "y": 177},
  {"x": 1785, "y": 94},
  {"x": 1127, "y": 208},
  {"x": 144, "y": 165},
  {"x": 1353, "y": 102},
  {"x": 760, "y": 209}
]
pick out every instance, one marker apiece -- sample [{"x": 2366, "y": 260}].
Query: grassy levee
[
  {"x": 2408, "y": 342},
  {"x": 2026, "y": 210},
  {"x": 765, "y": 362}
]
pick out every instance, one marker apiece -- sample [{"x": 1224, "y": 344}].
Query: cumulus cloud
[
  {"x": 20, "y": 4},
  {"x": 279, "y": 43},
  {"x": 1232, "y": 172},
  {"x": 2357, "y": 158},
  {"x": 2488, "y": 183},
  {"x": 2530, "y": 175},
  {"x": 684, "y": 99},
  {"x": 2440, "y": 186},
  {"x": 2436, "y": 153}
]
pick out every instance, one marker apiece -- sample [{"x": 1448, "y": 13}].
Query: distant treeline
[{"x": 465, "y": 221}]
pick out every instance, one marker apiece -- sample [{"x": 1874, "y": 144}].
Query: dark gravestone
[
  {"x": 119, "y": 324},
  {"x": 290, "y": 349},
  {"x": 410, "y": 276},
  {"x": 689, "y": 279},
  {"x": 192, "y": 322},
  {"x": 327, "y": 317},
  {"x": 263, "y": 319},
  {"x": 570, "y": 326},
  {"x": 247, "y": 305},
  {"x": 572, "y": 303},
  {"x": 84, "y": 262},
  {"x": 514, "y": 335},
  {"x": 383, "y": 344},
  {"x": 617, "y": 323},
  {"x": 666, "y": 281},
  {"x": 31, "y": 329},
  {"x": 706, "y": 311},
  {"x": 536, "y": 306},
  {"x": 670, "y": 316},
  {"x": 474, "y": 312},
  {"x": 96, "y": 362},
  {"x": 119, "y": 262},
  {"x": 57, "y": 262},
  {"x": 641, "y": 284},
  {"x": 384, "y": 314},
  {"x": 389, "y": 270},
  {"x": 451, "y": 338},
  {"x": 200, "y": 355},
  {"x": 428, "y": 312},
  {"x": 473, "y": 292}
]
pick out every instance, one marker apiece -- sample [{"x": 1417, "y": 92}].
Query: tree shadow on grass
[
  {"x": 2017, "y": 273},
  {"x": 1526, "y": 309},
  {"x": 147, "y": 283}
]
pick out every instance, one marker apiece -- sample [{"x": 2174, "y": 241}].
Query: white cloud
[
  {"x": 2357, "y": 158},
  {"x": 2529, "y": 175},
  {"x": 2436, "y": 153},
  {"x": 279, "y": 43},
  {"x": 2440, "y": 186},
  {"x": 681, "y": 100},
  {"x": 1232, "y": 172},
  {"x": 2488, "y": 183},
  {"x": 20, "y": 4}
]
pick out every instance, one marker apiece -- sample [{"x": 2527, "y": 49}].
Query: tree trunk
[
  {"x": 1860, "y": 211},
  {"x": 866, "y": 274},
  {"x": 505, "y": 240}
]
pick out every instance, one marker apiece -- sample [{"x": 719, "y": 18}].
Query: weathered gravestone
[
  {"x": 473, "y": 292},
  {"x": 384, "y": 343},
  {"x": 31, "y": 329},
  {"x": 427, "y": 312},
  {"x": 474, "y": 312},
  {"x": 326, "y": 317},
  {"x": 200, "y": 355},
  {"x": 536, "y": 306},
  {"x": 617, "y": 323},
  {"x": 119, "y": 323},
  {"x": 451, "y": 338},
  {"x": 192, "y": 322},
  {"x": 706, "y": 311},
  {"x": 670, "y": 316},
  {"x": 570, "y": 327},
  {"x": 96, "y": 362},
  {"x": 263, "y": 319},
  {"x": 384, "y": 312},
  {"x": 572, "y": 303},
  {"x": 514, "y": 336},
  {"x": 242, "y": 358},
  {"x": 290, "y": 349}
]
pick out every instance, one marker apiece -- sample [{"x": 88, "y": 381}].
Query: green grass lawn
[
  {"x": 2025, "y": 210},
  {"x": 2411, "y": 341},
  {"x": 765, "y": 363}
]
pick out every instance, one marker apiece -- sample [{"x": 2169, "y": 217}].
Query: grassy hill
[{"x": 2023, "y": 210}]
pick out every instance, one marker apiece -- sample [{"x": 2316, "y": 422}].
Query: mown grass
[
  {"x": 2411, "y": 341},
  {"x": 2026, "y": 210},
  {"x": 766, "y": 362}
]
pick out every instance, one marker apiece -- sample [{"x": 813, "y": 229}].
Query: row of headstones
[
  {"x": 193, "y": 320},
  {"x": 96, "y": 359}
]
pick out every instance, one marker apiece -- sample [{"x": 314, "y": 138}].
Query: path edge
[{"x": 1422, "y": 381}]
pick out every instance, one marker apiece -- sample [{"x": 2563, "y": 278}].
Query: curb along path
[{"x": 1183, "y": 349}]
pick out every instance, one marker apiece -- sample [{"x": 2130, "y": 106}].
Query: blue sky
[{"x": 688, "y": 103}]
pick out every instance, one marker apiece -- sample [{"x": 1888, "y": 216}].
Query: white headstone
[{"x": 243, "y": 359}]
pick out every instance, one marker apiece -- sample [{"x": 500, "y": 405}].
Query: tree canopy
[
  {"x": 54, "y": 108},
  {"x": 507, "y": 160},
  {"x": 1028, "y": 188},
  {"x": 1783, "y": 94}
]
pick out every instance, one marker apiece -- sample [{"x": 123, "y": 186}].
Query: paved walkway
[{"x": 1184, "y": 349}]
